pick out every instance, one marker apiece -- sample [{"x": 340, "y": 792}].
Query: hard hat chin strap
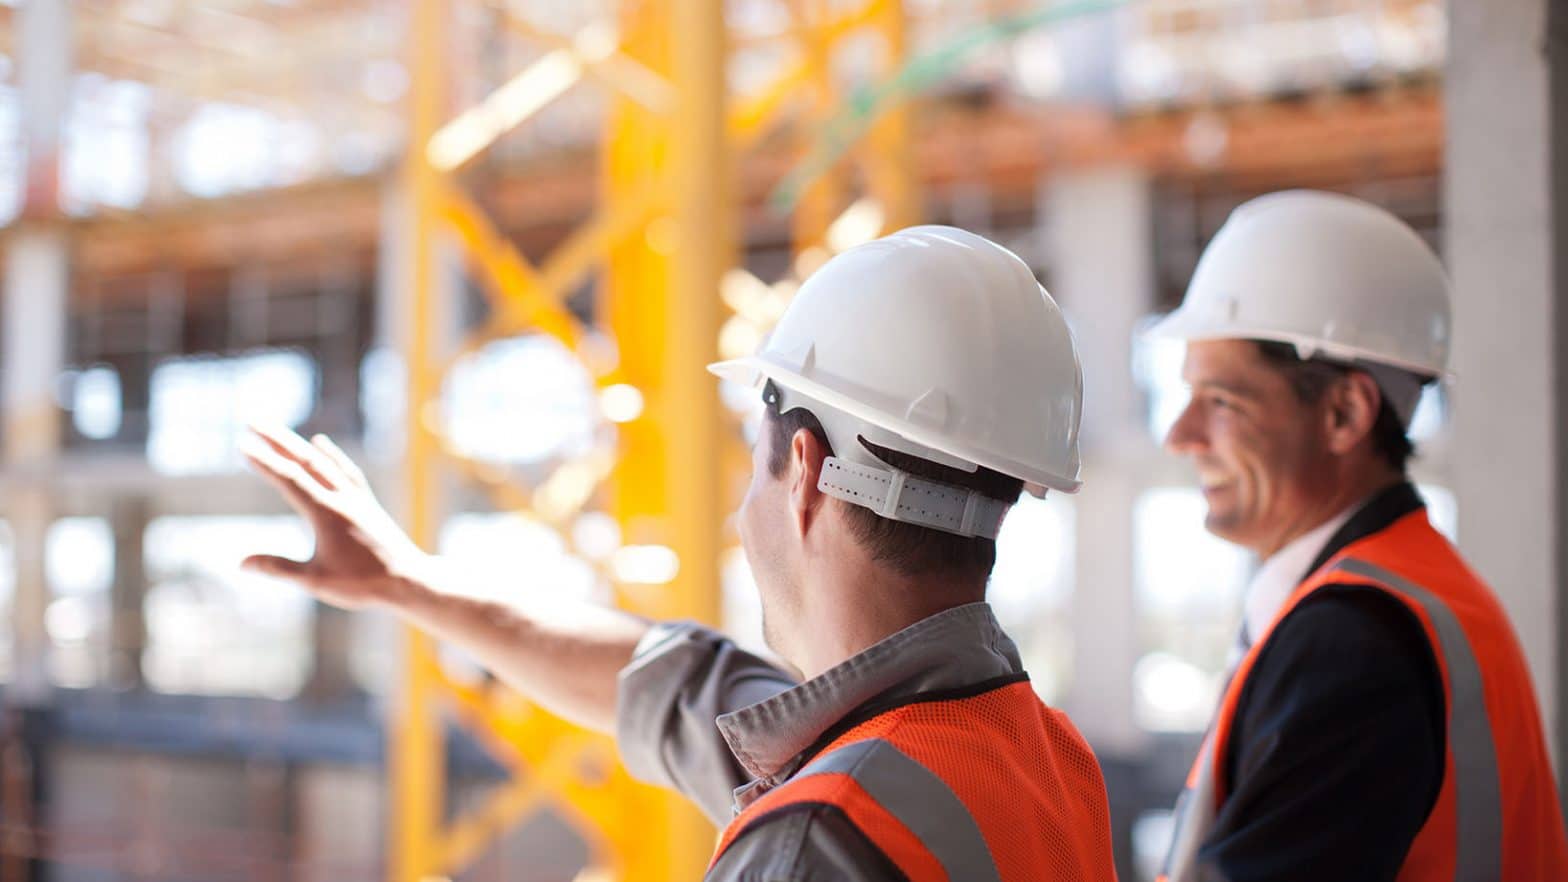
[
  {"x": 900, "y": 496},
  {"x": 855, "y": 475}
]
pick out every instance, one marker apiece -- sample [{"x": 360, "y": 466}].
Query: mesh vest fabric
[{"x": 1009, "y": 768}]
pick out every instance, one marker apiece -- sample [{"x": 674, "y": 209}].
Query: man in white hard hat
[
  {"x": 915, "y": 386},
  {"x": 1379, "y": 720}
]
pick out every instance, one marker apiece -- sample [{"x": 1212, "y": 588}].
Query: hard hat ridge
[{"x": 937, "y": 343}]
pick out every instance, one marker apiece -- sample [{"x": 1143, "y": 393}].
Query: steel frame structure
[{"x": 662, "y": 240}]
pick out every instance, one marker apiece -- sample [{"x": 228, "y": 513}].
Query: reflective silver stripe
[
  {"x": 1477, "y": 790},
  {"x": 920, "y": 801},
  {"x": 1194, "y": 816}
]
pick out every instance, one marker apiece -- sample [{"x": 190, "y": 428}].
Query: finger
[
  {"x": 297, "y": 499},
  {"x": 335, "y": 453},
  {"x": 276, "y": 567},
  {"x": 303, "y": 492},
  {"x": 290, "y": 445}
]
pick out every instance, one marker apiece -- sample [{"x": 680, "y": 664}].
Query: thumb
[{"x": 276, "y": 567}]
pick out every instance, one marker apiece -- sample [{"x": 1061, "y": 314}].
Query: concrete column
[
  {"x": 382, "y": 442},
  {"x": 1099, "y": 243},
  {"x": 385, "y": 436},
  {"x": 384, "y": 420},
  {"x": 44, "y": 61},
  {"x": 385, "y": 441},
  {"x": 128, "y": 592},
  {"x": 36, "y": 278},
  {"x": 30, "y": 513},
  {"x": 1557, "y": 60},
  {"x": 333, "y": 632},
  {"x": 1101, "y": 271},
  {"x": 1089, "y": 51},
  {"x": 31, "y": 359},
  {"x": 338, "y": 338},
  {"x": 1510, "y": 338}
]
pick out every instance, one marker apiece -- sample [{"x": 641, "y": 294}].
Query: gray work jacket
[{"x": 723, "y": 726}]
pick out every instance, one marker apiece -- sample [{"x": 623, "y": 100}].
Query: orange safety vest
[
  {"x": 992, "y": 787},
  {"x": 1497, "y": 815}
]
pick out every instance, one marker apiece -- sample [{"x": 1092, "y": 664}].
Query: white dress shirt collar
[{"x": 1278, "y": 577}]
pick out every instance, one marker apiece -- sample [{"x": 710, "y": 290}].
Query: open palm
[{"x": 361, "y": 553}]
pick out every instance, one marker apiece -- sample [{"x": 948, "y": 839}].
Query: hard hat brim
[
  {"x": 1190, "y": 327},
  {"x": 751, "y": 370},
  {"x": 737, "y": 370}
]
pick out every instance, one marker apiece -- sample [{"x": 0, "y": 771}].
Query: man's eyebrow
[{"x": 1238, "y": 390}]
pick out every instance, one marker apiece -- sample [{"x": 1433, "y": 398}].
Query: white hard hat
[
  {"x": 1335, "y": 276},
  {"x": 937, "y": 343}
]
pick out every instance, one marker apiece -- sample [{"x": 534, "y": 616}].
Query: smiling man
[
  {"x": 1379, "y": 721},
  {"x": 914, "y": 388}
]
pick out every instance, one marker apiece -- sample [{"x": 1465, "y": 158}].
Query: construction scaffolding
[
  {"x": 642, "y": 185},
  {"x": 663, "y": 244}
]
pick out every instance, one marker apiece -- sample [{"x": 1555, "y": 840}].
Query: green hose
[{"x": 862, "y": 107}]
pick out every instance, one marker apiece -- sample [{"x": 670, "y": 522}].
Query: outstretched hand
[{"x": 362, "y": 555}]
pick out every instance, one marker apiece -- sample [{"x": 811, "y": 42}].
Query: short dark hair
[
  {"x": 1310, "y": 378},
  {"x": 910, "y": 549}
]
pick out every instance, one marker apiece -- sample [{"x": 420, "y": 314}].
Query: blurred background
[{"x": 488, "y": 246}]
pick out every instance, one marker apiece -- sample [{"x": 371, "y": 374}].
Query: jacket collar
[
  {"x": 957, "y": 648},
  {"x": 1376, "y": 515}
]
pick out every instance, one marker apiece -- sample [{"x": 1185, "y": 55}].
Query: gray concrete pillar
[
  {"x": 31, "y": 359},
  {"x": 36, "y": 281},
  {"x": 1101, "y": 271},
  {"x": 128, "y": 519},
  {"x": 1510, "y": 321},
  {"x": 44, "y": 65}
]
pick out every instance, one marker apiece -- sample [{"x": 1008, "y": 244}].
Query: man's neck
[
  {"x": 1345, "y": 496},
  {"x": 851, "y": 607}
]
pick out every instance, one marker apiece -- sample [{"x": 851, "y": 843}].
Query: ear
[
  {"x": 806, "y": 453},
  {"x": 1353, "y": 405}
]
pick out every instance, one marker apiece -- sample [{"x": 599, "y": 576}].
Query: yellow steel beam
[
  {"x": 796, "y": 31},
  {"x": 832, "y": 29},
  {"x": 481, "y": 237},
  {"x": 667, "y": 233},
  {"x": 626, "y": 817},
  {"x": 703, "y": 250},
  {"x": 701, "y": 169},
  {"x": 548, "y": 758},
  {"x": 416, "y": 748},
  {"x": 472, "y": 706},
  {"x": 750, "y": 118},
  {"x": 468, "y": 836},
  {"x": 519, "y": 98},
  {"x": 825, "y": 196},
  {"x": 588, "y": 245},
  {"x": 524, "y": 300},
  {"x": 661, "y": 306},
  {"x": 617, "y": 71},
  {"x": 889, "y": 148}
]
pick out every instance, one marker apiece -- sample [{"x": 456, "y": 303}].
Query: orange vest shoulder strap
[
  {"x": 906, "y": 810},
  {"x": 1333, "y": 571},
  {"x": 1479, "y": 810},
  {"x": 1478, "y": 816}
]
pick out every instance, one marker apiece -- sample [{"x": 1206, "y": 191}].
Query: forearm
[{"x": 564, "y": 655}]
